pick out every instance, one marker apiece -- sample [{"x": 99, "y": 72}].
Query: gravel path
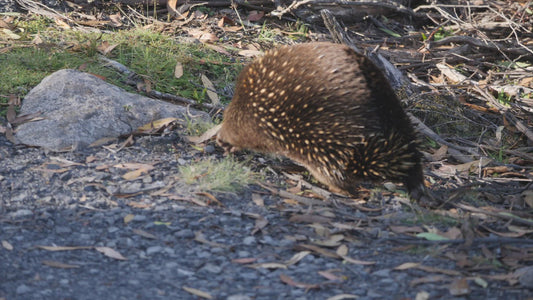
[{"x": 171, "y": 249}]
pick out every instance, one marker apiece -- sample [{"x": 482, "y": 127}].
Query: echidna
[{"x": 328, "y": 108}]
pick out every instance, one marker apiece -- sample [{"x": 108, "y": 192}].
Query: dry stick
[
  {"x": 347, "y": 5},
  {"x": 482, "y": 44},
  {"x": 502, "y": 214},
  {"x": 480, "y": 241}
]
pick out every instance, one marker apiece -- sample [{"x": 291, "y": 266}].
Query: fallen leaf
[
  {"x": 206, "y": 136},
  {"x": 250, "y": 53},
  {"x": 56, "y": 264},
  {"x": 429, "y": 279},
  {"x": 199, "y": 237},
  {"x": 270, "y": 265},
  {"x": 406, "y": 229},
  {"x": 257, "y": 200},
  {"x": 255, "y": 15},
  {"x": 211, "y": 90},
  {"x": 343, "y": 296},
  {"x": 63, "y": 248},
  {"x": 198, "y": 293},
  {"x": 342, "y": 250},
  {"x": 7, "y": 245},
  {"x": 406, "y": 266},
  {"x": 332, "y": 241},
  {"x": 432, "y": 236},
  {"x": 247, "y": 260},
  {"x": 109, "y": 252},
  {"x": 423, "y": 295},
  {"x": 481, "y": 282},
  {"x": 329, "y": 276},
  {"x": 178, "y": 70},
  {"x": 297, "y": 257},
  {"x": 144, "y": 234},
  {"x": 358, "y": 262},
  {"x": 287, "y": 280},
  {"x": 128, "y": 218},
  {"x": 10, "y": 34},
  {"x": 459, "y": 287},
  {"x": 156, "y": 126}
]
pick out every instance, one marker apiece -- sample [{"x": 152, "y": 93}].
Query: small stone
[
  {"x": 249, "y": 240},
  {"x": 211, "y": 268},
  {"x": 23, "y": 289},
  {"x": 21, "y": 213},
  {"x": 153, "y": 250}
]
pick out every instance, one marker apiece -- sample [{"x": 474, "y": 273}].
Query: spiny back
[{"x": 328, "y": 108}]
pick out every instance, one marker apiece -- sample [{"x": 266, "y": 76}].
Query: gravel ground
[{"x": 170, "y": 246}]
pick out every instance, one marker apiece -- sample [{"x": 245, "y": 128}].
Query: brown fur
[{"x": 329, "y": 109}]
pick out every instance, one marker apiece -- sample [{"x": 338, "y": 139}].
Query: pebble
[{"x": 23, "y": 289}]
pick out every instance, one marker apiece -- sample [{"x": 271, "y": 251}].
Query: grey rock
[
  {"x": 249, "y": 240},
  {"x": 154, "y": 249},
  {"x": 23, "y": 289},
  {"x": 78, "y": 109}
]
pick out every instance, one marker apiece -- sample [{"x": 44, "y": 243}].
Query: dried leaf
[
  {"x": 250, "y": 53},
  {"x": 132, "y": 175},
  {"x": 210, "y": 90},
  {"x": 423, "y": 295},
  {"x": 56, "y": 264},
  {"x": 128, "y": 218},
  {"x": 332, "y": 241},
  {"x": 528, "y": 197},
  {"x": 430, "y": 236},
  {"x": 406, "y": 266},
  {"x": 330, "y": 276},
  {"x": 199, "y": 237},
  {"x": 115, "y": 20},
  {"x": 459, "y": 287},
  {"x": 270, "y": 265},
  {"x": 297, "y": 257},
  {"x": 358, "y": 262},
  {"x": 62, "y": 248},
  {"x": 10, "y": 34},
  {"x": 406, "y": 229},
  {"x": 7, "y": 245},
  {"x": 429, "y": 279},
  {"x": 481, "y": 282},
  {"x": 105, "y": 48},
  {"x": 109, "y": 252},
  {"x": 343, "y": 296},
  {"x": 178, "y": 70},
  {"x": 206, "y": 136},
  {"x": 342, "y": 250},
  {"x": 319, "y": 250},
  {"x": 255, "y": 15},
  {"x": 287, "y": 280},
  {"x": 260, "y": 223},
  {"x": 247, "y": 260},
  {"x": 258, "y": 200},
  {"x": 156, "y": 126},
  {"x": 198, "y": 293}
]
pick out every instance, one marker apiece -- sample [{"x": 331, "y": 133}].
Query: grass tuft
[{"x": 225, "y": 175}]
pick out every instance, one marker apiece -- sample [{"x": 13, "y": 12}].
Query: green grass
[
  {"x": 225, "y": 175},
  {"x": 150, "y": 54}
]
